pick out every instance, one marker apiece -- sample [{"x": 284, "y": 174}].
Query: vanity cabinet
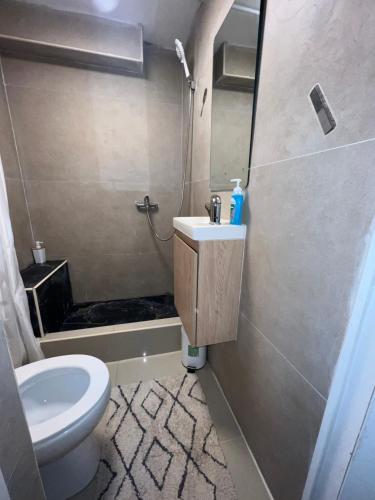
[{"x": 207, "y": 286}]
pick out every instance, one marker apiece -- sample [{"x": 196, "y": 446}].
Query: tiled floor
[
  {"x": 246, "y": 478},
  {"x": 147, "y": 368}
]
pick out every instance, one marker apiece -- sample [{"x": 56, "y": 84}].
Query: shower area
[{"x": 95, "y": 109}]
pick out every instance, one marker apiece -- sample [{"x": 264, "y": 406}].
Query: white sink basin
[{"x": 200, "y": 229}]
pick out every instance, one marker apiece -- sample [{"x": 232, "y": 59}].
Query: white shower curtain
[{"x": 14, "y": 308}]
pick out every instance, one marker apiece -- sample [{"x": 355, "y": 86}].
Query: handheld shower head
[{"x": 181, "y": 55}]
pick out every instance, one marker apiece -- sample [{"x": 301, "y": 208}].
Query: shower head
[{"x": 181, "y": 55}]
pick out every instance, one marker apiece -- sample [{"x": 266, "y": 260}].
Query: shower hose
[{"x": 188, "y": 152}]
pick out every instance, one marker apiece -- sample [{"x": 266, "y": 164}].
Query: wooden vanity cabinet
[{"x": 207, "y": 286}]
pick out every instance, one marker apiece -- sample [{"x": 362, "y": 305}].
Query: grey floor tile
[
  {"x": 149, "y": 367},
  {"x": 221, "y": 415},
  {"x": 112, "y": 368},
  {"x": 245, "y": 475}
]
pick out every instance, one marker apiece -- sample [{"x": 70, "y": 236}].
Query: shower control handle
[{"x": 146, "y": 204}]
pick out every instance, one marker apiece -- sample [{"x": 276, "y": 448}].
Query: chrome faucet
[{"x": 213, "y": 208}]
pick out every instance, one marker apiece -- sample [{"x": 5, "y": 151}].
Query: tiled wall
[
  {"x": 17, "y": 460},
  {"x": 312, "y": 198},
  {"x": 15, "y": 187},
  {"x": 90, "y": 144}
]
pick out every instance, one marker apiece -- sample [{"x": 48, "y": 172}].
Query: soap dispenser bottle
[
  {"x": 39, "y": 252},
  {"x": 236, "y": 204}
]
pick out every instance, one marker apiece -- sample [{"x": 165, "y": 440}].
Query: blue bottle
[{"x": 236, "y": 204}]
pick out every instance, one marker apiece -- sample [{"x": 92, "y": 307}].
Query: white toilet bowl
[{"x": 64, "y": 399}]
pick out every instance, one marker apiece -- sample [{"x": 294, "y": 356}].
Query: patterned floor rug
[{"x": 160, "y": 444}]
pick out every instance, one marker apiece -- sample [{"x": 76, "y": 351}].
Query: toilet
[{"x": 64, "y": 398}]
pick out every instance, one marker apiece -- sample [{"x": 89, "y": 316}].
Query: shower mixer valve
[{"x": 146, "y": 204}]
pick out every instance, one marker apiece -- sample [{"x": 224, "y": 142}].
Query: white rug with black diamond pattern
[{"x": 160, "y": 443}]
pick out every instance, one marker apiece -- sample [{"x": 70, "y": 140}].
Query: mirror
[{"x": 235, "y": 57}]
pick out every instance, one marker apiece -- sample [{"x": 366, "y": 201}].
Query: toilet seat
[{"x": 63, "y": 398}]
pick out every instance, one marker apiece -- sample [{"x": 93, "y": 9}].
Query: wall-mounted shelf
[
  {"x": 41, "y": 33},
  {"x": 234, "y": 67}
]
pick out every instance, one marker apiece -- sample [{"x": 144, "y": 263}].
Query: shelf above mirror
[{"x": 234, "y": 67}]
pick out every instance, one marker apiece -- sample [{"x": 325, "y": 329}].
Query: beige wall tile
[
  {"x": 309, "y": 219},
  {"x": 277, "y": 410},
  {"x": 299, "y": 51},
  {"x": 164, "y": 78},
  {"x": 163, "y": 140},
  {"x": 70, "y": 136},
  {"x": 118, "y": 276},
  {"x": 91, "y": 144},
  {"x": 75, "y": 217},
  {"x": 107, "y": 241}
]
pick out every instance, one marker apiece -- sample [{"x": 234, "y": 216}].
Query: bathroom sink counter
[
  {"x": 208, "y": 260},
  {"x": 200, "y": 229}
]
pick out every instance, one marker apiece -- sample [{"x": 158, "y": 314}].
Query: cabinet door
[
  {"x": 185, "y": 285},
  {"x": 219, "y": 288}
]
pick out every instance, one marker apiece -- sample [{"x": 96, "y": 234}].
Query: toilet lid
[{"x": 57, "y": 392}]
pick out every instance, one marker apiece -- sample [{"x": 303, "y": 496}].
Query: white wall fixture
[
  {"x": 200, "y": 229},
  {"x": 64, "y": 399}
]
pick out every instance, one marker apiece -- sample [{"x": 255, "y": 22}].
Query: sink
[{"x": 200, "y": 229}]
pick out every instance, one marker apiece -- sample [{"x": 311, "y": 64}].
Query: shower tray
[{"x": 122, "y": 311}]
